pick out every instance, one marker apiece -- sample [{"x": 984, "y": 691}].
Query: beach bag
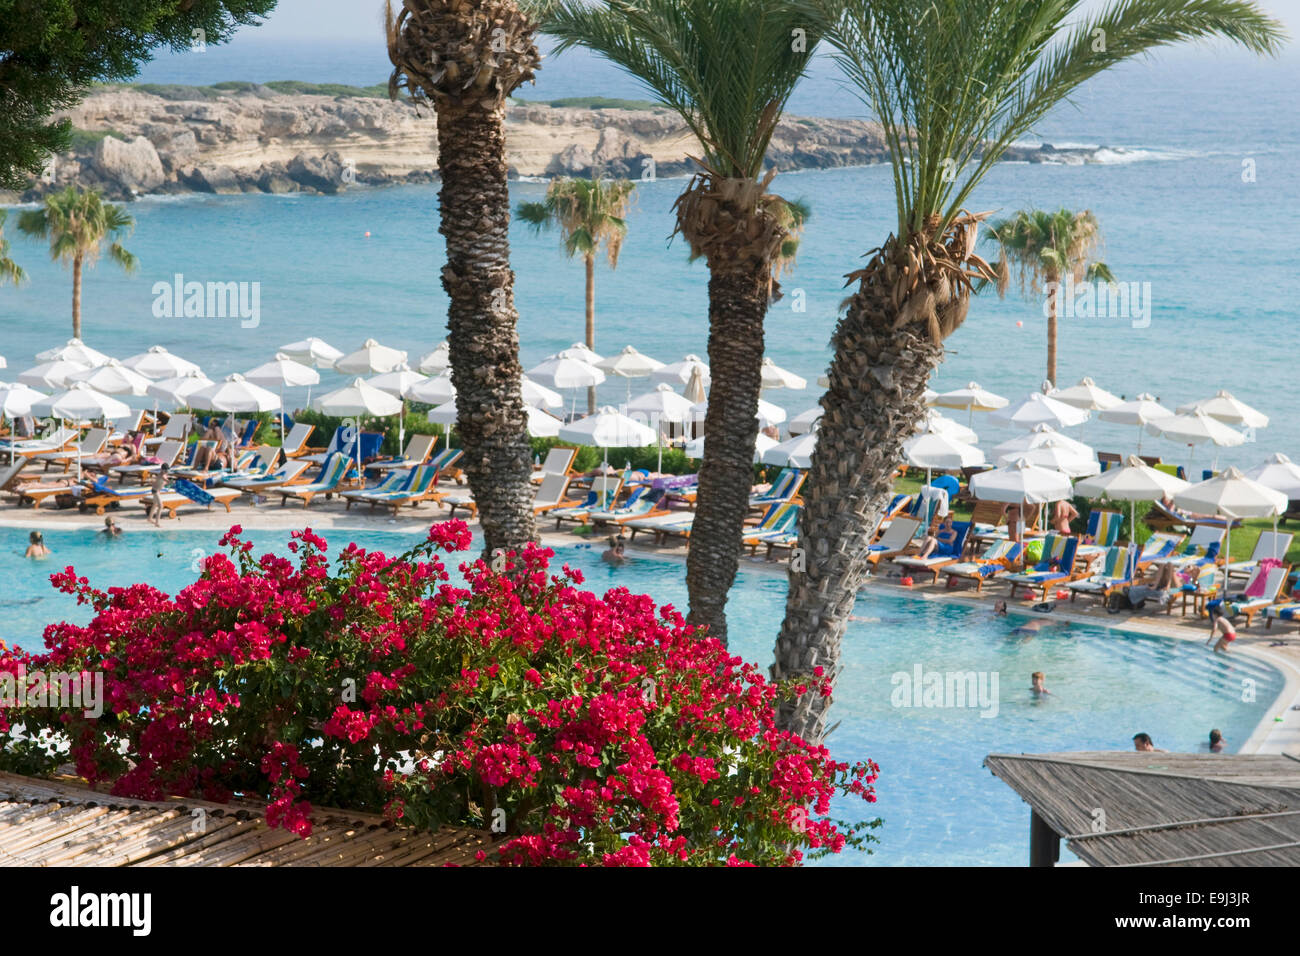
[
  {"x": 1119, "y": 601},
  {"x": 1034, "y": 551}
]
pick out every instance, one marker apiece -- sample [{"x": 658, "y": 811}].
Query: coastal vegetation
[
  {"x": 727, "y": 69},
  {"x": 464, "y": 59},
  {"x": 574, "y": 729},
  {"x": 942, "y": 83},
  {"x": 54, "y": 53},
  {"x": 77, "y": 224},
  {"x": 590, "y": 214},
  {"x": 10, "y": 271},
  {"x": 1042, "y": 248}
]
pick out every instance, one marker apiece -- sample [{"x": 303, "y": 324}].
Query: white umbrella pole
[
  {"x": 1274, "y": 535},
  {"x": 281, "y": 416},
  {"x": 401, "y": 428}
]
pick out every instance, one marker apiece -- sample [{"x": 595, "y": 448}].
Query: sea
[{"x": 1196, "y": 186}]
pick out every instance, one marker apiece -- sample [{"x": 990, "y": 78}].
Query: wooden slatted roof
[
  {"x": 1163, "y": 808},
  {"x": 58, "y": 823}
]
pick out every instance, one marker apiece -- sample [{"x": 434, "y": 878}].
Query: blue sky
[{"x": 353, "y": 19}]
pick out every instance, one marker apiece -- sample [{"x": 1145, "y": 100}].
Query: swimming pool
[{"x": 940, "y": 806}]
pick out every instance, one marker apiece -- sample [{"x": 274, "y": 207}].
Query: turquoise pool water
[{"x": 940, "y": 806}]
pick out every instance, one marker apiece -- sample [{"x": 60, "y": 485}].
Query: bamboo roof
[
  {"x": 59, "y": 823},
  {"x": 1164, "y": 809}
]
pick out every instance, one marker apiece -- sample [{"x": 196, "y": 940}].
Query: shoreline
[{"x": 1270, "y": 735}]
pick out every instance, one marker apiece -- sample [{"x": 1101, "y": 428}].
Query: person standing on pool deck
[
  {"x": 155, "y": 499},
  {"x": 36, "y": 546},
  {"x": 1143, "y": 743}
]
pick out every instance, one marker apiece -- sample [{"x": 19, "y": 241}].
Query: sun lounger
[
  {"x": 290, "y": 473},
  {"x": 778, "y": 521},
  {"x": 412, "y": 488},
  {"x": 644, "y": 501},
  {"x": 166, "y": 454},
  {"x": 1267, "y": 545},
  {"x": 187, "y": 493},
  {"x": 101, "y": 496},
  {"x": 660, "y": 524},
  {"x": 61, "y": 438},
  {"x": 295, "y": 442},
  {"x": 943, "y": 555},
  {"x": 897, "y": 537},
  {"x": 1159, "y": 547},
  {"x": 1116, "y": 574},
  {"x": 417, "y": 451},
  {"x": 550, "y": 495},
  {"x": 1055, "y": 566},
  {"x": 1200, "y": 549},
  {"x": 1288, "y": 610},
  {"x": 785, "y": 486},
  {"x": 998, "y": 558},
  {"x": 333, "y": 470},
  {"x": 90, "y": 445},
  {"x": 177, "y": 427},
  {"x": 558, "y": 461},
  {"x": 1104, "y": 527},
  {"x": 1275, "y": 576},
  {"x": 601, "y": 497}
]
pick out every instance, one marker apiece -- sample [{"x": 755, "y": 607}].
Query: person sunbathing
[{"x": 946, "y": 535}]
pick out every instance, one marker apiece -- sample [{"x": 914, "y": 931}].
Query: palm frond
[{"x": 954, "y": 83}]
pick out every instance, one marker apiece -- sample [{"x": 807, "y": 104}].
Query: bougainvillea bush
[{"x": 573, "y": 728}]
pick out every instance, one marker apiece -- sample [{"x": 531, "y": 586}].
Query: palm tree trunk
[
  {"x": 481, "y": 320},
  {"x": 591, "y": 323},
  {"x": 76, "y": 297},
  {"x": 1051, "y": 330},
  {"x": 875, "y": 399},
  {"x": 738, "y": 303}
]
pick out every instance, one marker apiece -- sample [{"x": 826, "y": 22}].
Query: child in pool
[
  {"x": 1037, "y": 684},
  {"x": 1221, "y": 627},
  {"x": 36, "y": 546}
]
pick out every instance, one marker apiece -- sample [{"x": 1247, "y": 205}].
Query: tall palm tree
[
  {"x": 953, "y": 83},
  {"x": 77, "y": 224},
  {"x": 1042, "y": 248},
  {"x": 589, "y": 213},
  {"x": 727, "y": 68},
  {"x": 464, "y": 58},
  {"x": 10, "y": 271}
]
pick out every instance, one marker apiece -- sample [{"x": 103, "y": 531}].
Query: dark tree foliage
[{"x": 52, "y": 51}]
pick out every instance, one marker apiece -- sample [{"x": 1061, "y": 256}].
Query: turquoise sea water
[
  {"x": 1217, "y": 252},
  {"x": 939, "y": 805}
]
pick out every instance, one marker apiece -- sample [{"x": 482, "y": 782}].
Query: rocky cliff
[{"x": 131, "y": 142}]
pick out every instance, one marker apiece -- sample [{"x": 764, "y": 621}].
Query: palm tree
[
  {"x": 465, "y": 57},
  {"x": 953, "y": 83},
  {"x": 10, "y": 271},
  {"x": 1043, "y": 248},
  {"x": 589, "y": 213},
  {"x": 727, "y": 68},
  {"x": 76, "y": 224}
]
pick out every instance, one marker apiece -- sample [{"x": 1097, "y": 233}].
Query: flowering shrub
[{"x": 574, "y": 729}]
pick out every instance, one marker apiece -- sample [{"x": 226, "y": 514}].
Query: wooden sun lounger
[{"x": 173, "y": 502}]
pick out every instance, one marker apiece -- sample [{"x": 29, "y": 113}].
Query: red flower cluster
[{"x": 573, "y": 728}]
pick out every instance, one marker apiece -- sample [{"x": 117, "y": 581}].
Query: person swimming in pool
[
  {"x": 615, "y": 555},
  {"x": 111, "y": 530},
  {"x": 36, "y": 546},
  {"x": 1217, "y": 743},
  {"x": 1000, "y": 609},
  {"x": 1037, "y": 684}
]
